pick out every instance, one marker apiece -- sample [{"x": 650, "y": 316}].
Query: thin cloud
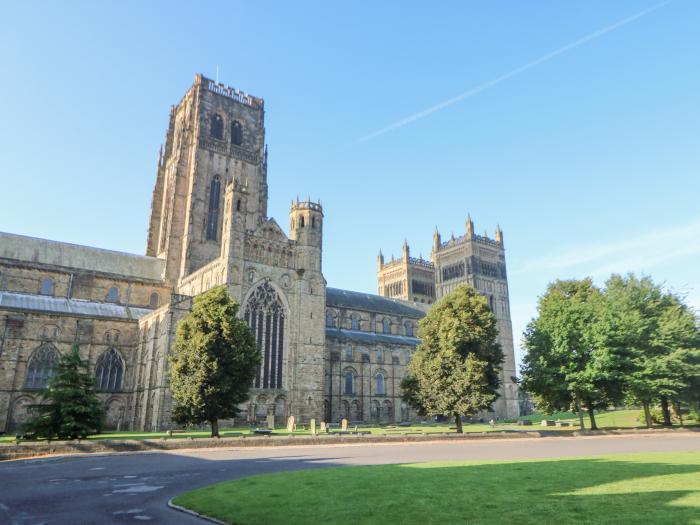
[
  {"x": 491, "y": 83},
  {"x": 636, "y": 253}
]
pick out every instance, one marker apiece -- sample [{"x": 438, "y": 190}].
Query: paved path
[{"x": 134, "y": 488}]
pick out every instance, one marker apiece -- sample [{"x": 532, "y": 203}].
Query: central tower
[{"x": 216, "y": 135}]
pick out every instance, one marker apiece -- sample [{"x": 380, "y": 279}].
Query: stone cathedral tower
[{"x": 472, "y": 259}]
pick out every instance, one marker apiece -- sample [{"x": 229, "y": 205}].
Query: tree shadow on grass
[{"x": 595, "y": 491}]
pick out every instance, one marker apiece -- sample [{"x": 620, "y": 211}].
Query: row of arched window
[
  {"x": 332, "y": 322},
  {"x": 349, "y": 379},
  {"x": 349, "y": 355},
  {"x": 48, "y": 286},
  {"x": 109, "y": 369},
  {"x": 216, "y": 129}
]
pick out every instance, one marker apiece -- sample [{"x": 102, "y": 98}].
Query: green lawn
[
  {"x": 610, "y": 419},
  {"x": 643, "y": 488}
]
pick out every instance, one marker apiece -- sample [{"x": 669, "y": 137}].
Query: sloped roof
[
  {"x": 358, "y": 336},
  {"x": 44, "y": 251},
  {"x": 62, "y": 305},
  {"x": 371, "y": 303}
]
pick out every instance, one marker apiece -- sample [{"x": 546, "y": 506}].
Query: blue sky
[{"x": 589, "y": 160}]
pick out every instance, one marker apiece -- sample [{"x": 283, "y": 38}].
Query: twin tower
[{"x": 473, "y": 259}]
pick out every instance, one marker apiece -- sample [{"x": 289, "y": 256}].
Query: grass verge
[{"x": 641, "y": 488}]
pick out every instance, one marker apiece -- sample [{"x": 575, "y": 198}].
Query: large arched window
[
  {"x": 42, "y": 366},
  {"x": 380, "y": 388},
  {"x": 109, "y": 371},
  {"x": 217, "y": 126},
  {"x": 154, "y": 301},
  {"x": 349, "y": 381},
  {"x": 236, "y": 133},
  {"x": 265, "y": 315},
  {"x": 213, "y": 214}
]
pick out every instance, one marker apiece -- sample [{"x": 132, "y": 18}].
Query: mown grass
[
  {"x": 643, "y": 488},
  {"x": 606, "y": 420}
]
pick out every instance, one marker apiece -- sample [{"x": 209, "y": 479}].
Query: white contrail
[{"x": 511, "y": 74}]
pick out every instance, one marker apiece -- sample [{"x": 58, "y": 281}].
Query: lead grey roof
[
  {"x": 358, "y": 336},
  {"x": 62, "y": 305},
  {"x": 371, "y": 303},
  {"x": 43, "y": 251}
]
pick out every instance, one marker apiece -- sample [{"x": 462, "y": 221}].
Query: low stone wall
[{"x": 30, "y": 449}]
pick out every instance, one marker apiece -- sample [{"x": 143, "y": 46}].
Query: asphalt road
[{"x": 134, "y": 488}]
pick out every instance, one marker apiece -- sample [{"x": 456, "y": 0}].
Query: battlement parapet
[
  {"x": 232, "y": 93},
  {"x": 306, "y": 205}
]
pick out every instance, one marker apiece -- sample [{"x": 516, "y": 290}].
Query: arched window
[
  {"x": 213, "y": 214},
  {"x": 154, "y": 300},
  {"x": 355, "y": 322},
  {"x": 408, "y": 326},
  {"x": 236, "y": 133},
  {"x": 265, "y": 315},
  {"x": 330, "y": 320},
  {"x": 302, "y": 221},
  {"x": 238, "y": 205},
  {"x": 380, "y": 356},
  {"x": 42, "y": 366},
  {"x": 386, "y": 326},
  {"x": 380, "y": 389},
  {"x": 46, "y": 286},
  {"x": 217, "y": 126},
  {"x": 348, "y": 352},
  {"x": 349, "y": 380},
  {"x": 313, "y": 222},
  {"x": 109, "y": 371},
  {"x": 113, "y": 295}
]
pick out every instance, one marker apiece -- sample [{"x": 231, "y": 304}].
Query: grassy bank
[{"x": 648, "y": 488}]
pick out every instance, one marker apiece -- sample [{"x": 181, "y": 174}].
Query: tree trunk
[
  {"x": 214, "y": 428},
  {"x": 647, "y": 414},
  {"x": 591, "y": 416},
  {"x": 666, "y": 412},
  {"x": 580, "y": 415},
  {"x": 458, "y": 423},
  {"x": 677, "y": 411}
]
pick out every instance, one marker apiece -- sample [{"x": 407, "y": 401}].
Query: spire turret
[{"x": 470, "y": 226}]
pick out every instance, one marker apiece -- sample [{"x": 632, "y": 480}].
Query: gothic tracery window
[
  {"x": 217, "y": 126},
  {"x": 236, "y": 133},
  {"x": 265, "y": 315},
  {"x": 213, "y": 214},
  {"x": 42, "y": 366},
  {"x": 109, "y": 371},
  {"x": 349, "y": 380}
]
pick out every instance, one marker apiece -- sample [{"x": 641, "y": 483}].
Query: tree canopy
[
  {"x": 591, "y": 348},
  {"x": 456, "y": 368},
  {"x": 214, "y": 361}
]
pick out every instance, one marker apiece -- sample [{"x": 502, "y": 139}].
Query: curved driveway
[{"x": 134, "y": 488}]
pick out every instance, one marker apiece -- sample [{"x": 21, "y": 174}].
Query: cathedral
[{"x": 327, "y": 353}]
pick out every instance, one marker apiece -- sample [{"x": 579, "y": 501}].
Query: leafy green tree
[
  {"x": 71, "y": 409},
  {"x": 214, "y": 361},
  {"x": 565, "y": 367},
  {"x": 456, "y": 368},
  {"x": 658, "y": 335}
]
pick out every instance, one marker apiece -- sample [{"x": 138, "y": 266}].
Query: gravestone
[
  {"x": 343, "y": 424},
  {"x": 271, "y": 421},
  {"x": 324, "y": 428},
  {"x": 290, "y": 424},
  {"x": 312, "y": 426},
  {"x": 547, "y": 423}
]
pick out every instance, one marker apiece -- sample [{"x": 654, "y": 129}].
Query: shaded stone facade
[{"x": 327, "y": 353}]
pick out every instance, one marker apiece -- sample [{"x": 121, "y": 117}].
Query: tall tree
[
  {"x": 71, "y": 409},
  {"x": 565, "y": 367},
  {"x": 213, "y": 363},
  {"x": 658, "y": 335},
  {"x": 456, "y": 368}
]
